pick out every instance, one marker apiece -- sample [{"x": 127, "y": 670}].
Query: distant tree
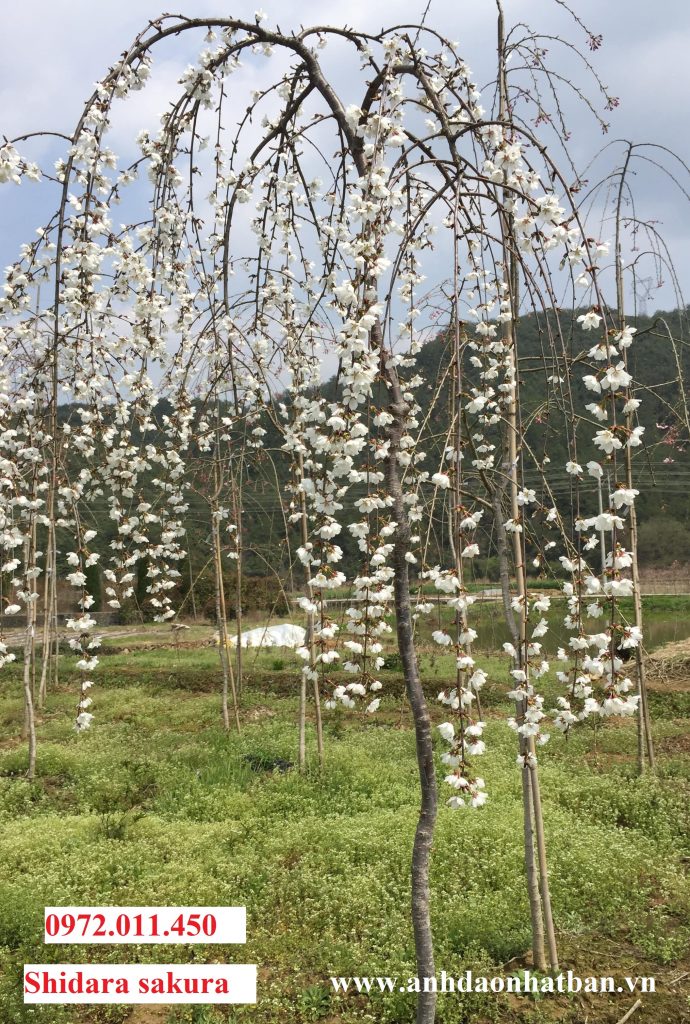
[{"x": 663, "y": 540}]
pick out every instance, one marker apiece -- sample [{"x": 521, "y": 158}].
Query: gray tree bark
[{"x": 421, "y": 852}]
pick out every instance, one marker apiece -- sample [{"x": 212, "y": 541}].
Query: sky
[{"x": 52, "y": 53}]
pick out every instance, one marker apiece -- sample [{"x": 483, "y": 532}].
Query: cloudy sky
[{"x": 51, "y": 54}]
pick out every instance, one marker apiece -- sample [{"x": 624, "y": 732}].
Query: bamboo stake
[
  {"x": 644, "y": 723},
  {"x": 518, "y": 540}
]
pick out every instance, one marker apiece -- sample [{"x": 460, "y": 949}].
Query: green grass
[{"x": 155, "y": 806}]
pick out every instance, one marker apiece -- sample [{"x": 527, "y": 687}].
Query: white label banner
[
  {"x": 184, "y": 925},
  {"x": 140, "y": 983}
]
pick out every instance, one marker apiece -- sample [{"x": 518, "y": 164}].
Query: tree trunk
[
  {"x": 645, "y": 742},
  {"x": 511, "y": 278},
  {"x": 237, "y": 501},
  {"x": 533, "y": 895},
  {"x": 311, "y": 645},
  {"x": 302, "y": 745},
  {"x": 29, "y": 703},
  {"x": 30, "y": 649},
  {"x": 302, "y": 751},
  {"x": 226, "y": 664},
  {"x": 538, "y": 953},
  {"x": 518, "y": 554},
  {"x": 421, "y": 853},
  {"x": 543, "y": 867},
  {"x": 644, "y": 720},
  {"x": 46, "y": 643},
  {"x": 504, "y": 566}
]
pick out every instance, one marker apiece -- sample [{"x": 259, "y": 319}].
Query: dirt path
[{"x": 148, "y": 1015}]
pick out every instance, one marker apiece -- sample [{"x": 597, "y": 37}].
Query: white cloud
[{"x": 52, "y": 54}]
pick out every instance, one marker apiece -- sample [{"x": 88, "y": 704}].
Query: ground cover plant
[{"x": 160, "y": 806}]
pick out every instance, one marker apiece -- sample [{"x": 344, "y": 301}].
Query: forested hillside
[{"x": 659, "y": 358}]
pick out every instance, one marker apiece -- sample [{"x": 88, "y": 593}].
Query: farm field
[{"x": 156, "y": 805}]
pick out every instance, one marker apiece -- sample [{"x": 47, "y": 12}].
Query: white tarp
[{"x": 285, "y": 635}]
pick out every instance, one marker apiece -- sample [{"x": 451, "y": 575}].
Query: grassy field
[{"x": 155, "y": 806}]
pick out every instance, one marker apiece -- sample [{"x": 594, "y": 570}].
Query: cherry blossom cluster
[{"x": 595, "y": 668}]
